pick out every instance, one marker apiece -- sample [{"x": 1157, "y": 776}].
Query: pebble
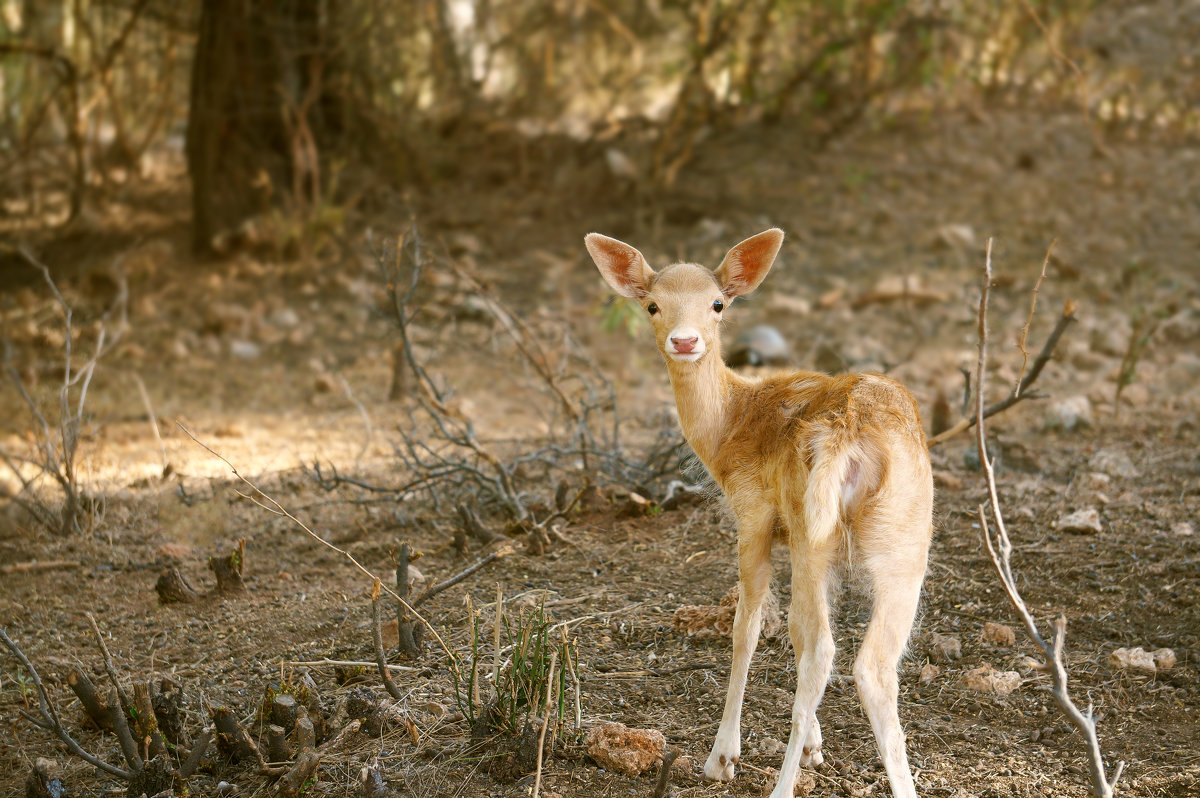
[
  {"x": 1070, "y": 413},
  {"x": 986, "y": 679},
  {"x": 998, "y": 634},
  {"x": 942, "y": 648},
  {"x": 1113, "y": 463},
  {"x": 245, "y": 350},
  {"x": 1086, "y": 521}
]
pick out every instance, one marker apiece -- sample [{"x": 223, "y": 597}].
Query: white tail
[{"x": 814, "y": 454}]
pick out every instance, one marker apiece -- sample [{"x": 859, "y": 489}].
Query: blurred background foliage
[{"x": 287, "y": 113}]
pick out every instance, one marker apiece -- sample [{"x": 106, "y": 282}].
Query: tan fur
[{"x": 836, "y": 466}]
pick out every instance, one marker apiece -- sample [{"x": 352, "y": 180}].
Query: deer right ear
[{"x": 622, "y": 266}]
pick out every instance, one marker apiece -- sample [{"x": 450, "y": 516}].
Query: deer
[{"x": 834, "y": 467}]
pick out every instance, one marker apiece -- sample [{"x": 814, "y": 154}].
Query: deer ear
[
  {"x": 748, "y": 263},
  {"x": 622, "y": 266}
]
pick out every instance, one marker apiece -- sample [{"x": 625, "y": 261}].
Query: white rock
[
  {"x": 1086, "y": 520},
  {"x": 1164, "y": 658},
  {"x": 245, "y": 350},
  {"x": 1183, "y": 529},
  {"x": 986, "y": 679},
  {"x": 1114, "y": 463},
  {"x": 285, "y": 318},
  {"x": 1133, "y": 659},
  {"x": 1073, "y": 412}
]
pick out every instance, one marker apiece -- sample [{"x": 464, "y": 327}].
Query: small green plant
[
  {"x": 623, "y": 314},
  {"x": 531, "y": 645}
]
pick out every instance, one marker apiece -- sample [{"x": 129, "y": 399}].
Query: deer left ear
[{"x": 747, "y": 264}]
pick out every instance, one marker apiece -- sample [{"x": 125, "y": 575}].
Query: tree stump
[
  {"x": 232, "y": 740},
  {"x": 99, "y": 712},
  {"x": 228, "y": 570},
  {"x": 45, "y": 780},
  {"x": 173, "y": 588},
  {"x": 283, "y": 712}
]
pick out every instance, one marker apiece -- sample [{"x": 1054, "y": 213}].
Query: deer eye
[
  {"x": 652, "y": 308},
  {"x": 718, "y": 306}
]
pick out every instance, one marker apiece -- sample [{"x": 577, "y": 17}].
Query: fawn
[{"x": 836, "y": 467}]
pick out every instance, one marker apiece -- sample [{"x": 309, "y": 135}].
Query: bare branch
[
  {"x": 49, "y": 715},
  {"x": 1000, "y": 554}
]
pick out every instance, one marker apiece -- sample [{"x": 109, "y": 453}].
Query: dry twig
[
  {"x": 49, "y": 719},
  {"x": 1000, "y": 553},
  {"x": 1021, "y": 390}
]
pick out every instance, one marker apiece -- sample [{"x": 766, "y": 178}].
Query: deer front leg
[{"x": 754, "y": 568}]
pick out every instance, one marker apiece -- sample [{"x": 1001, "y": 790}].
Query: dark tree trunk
[{"x": 256, "y": 62}]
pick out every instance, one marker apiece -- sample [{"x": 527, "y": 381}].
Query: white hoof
[
  {"x": 720, "y": 766},
  {"x": 811, "y": 757}
]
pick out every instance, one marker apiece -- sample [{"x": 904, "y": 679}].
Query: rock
[
  {"x": 707, "y": 621},
  {"x": 1183, "y": 529},
  {"x": 1086, "y": 521},
  {"x": 175, "y": 552},
  {"x": 1073, "y": 412},
  {"x": 1111, "y": 339},
  {"x": 805, "y": 783},
  {"x": 1164, "y": 658},
  {"x": 929, "y": 672},
  {"x": 986, "y": 679},
  {"x": 620, "y": 749},
  {"x": 245, "y": 350},
  {"x": 45, "y": 780},
  {"x": 956, "y": 236},
  {"x": 1113, "y": 462},
  {"x": 942, "y": 648},
  {"x": 761, "y": 345},
  {"x": 998, "y": 634},
  {"x": 285, "y": 318},
  {"x": 770, "y": 746},
  {"x": 1133, "y": 659}
]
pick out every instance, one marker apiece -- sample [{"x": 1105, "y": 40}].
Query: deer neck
[{"x": 702, "y": 392}]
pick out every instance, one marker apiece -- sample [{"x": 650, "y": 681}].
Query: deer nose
[{"x": 684, "y": 346}]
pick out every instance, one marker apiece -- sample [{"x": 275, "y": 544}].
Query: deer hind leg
[
  {"x": 896, "y": 598},
  {"x": 754, "y": 569},
  {"x": 810, "y": 755},
  {"x": 812, "y": 641}
]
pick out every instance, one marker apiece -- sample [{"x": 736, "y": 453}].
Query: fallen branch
[
  {"x": 49, "y": 719},
  {"x": 36, "y": 565},
  {"x": 1000, "y": 553},
  {"x": 664, "y": 773}
]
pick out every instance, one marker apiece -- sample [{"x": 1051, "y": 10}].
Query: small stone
[
  {"x": 324, "y": 382},
  {"x": 1073, "y": 412},
  {"x": 620, "y": 749},
  {"x": 942, "y": 648},
  {"x": 1132, "y": 659},
  {"x": 433, "y": 708},
  {"x": 929, "y": 672},
  {"x": 1085, "y": 521},
  {"x": 285, "y": 318},
  {"x": 1164, "y": 658},
  {"x": 998, "y": 634},
  {"x": 986, "y": 679},
  {"x": 1114, "y": 463},
  {"x": 1183, "y": 529},
  {"x": 770, "y": 746},
  {"x": 245, "y": 350}
]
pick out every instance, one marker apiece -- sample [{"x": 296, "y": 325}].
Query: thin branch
[
  {"x": 461, "y": 575},
  {"x": 50, "y": 719},
  {"x": 1000, "y": 554},
  {"x": 377, "y": 634},
  {"x": 276, "y": 508},
  {"x": 1021, "y": 343}
]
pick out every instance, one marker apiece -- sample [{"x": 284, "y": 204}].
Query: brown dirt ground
[{"x": 875, "y": 205}]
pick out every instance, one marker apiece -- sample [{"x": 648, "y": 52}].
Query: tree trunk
[{"x": 255, "y": 62}]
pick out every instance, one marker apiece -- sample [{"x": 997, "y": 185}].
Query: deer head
[{"x": 685, "y": 301}]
